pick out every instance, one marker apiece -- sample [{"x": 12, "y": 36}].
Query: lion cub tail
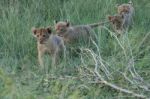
[{"x": 98, "y": 24}]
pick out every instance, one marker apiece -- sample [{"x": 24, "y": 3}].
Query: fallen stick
[{"x": 110, "y": 84}]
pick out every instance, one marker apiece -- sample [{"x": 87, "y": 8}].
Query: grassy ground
[{"x": 20, "y": 77}]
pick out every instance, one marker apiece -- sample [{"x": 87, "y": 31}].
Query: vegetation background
[{"x": 20, "y": 77}]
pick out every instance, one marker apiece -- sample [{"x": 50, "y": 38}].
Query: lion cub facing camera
[{"x": 49, "y": 43}]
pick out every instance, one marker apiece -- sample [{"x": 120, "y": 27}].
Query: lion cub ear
[
  {"x": 34, "y": 30},
  {"x": 130, "y": 2},
  {"x": 49, "y": 30},
  {"x": 67, "y": 23},
  {"x": 110, "y": 18},
  {"x": 55, "y": 21}
]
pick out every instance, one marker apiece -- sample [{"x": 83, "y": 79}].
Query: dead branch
[{"x": 110, "y": 84}]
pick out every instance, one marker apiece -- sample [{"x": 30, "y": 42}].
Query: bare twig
[{"x": 110, "y": 84}]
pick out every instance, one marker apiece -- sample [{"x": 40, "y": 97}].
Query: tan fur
[
  {"x": 73, "y": 34},
  {"x": 125, "y": 9},
  {"x": 124, "y": 19},
  {"x": 117, "y": 23},
  {"x": 48, "y": 43}
]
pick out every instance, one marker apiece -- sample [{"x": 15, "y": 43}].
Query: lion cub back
[{"x": 79, "y": 34}]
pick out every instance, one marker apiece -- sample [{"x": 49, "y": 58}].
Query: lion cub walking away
[
  {"x": 48, "y": 43},
  {"x": 124, "y": 19},
  {"x": 76, "y": 34}
]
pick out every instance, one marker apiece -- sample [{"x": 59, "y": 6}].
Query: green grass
[{"x": 20, "y": 76}]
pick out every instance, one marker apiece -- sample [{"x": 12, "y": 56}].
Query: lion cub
[
  {"x": 124, "y": 19},
  {"x": 126, "y": 9},
  {"x": 117, "y": 22},
  {"x": 75, "y": 34},
  {"x": 47, "y": 42}
]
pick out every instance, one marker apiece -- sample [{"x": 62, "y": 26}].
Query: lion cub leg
[
  {"x": 55, "y": 58},
  {"x": 40, "y": 55}
]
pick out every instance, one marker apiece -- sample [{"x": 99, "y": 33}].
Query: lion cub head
[
  {"x": 42, "y": 34},
  {"x": 117, "y": 22},
  {"x": 125, "y": 8},
  {"x": 61, "y": 27}
]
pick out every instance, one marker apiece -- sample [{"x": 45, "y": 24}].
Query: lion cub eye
[
  {"x": 37, "y": 35},
  {"x": 44, "y": 35}
]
